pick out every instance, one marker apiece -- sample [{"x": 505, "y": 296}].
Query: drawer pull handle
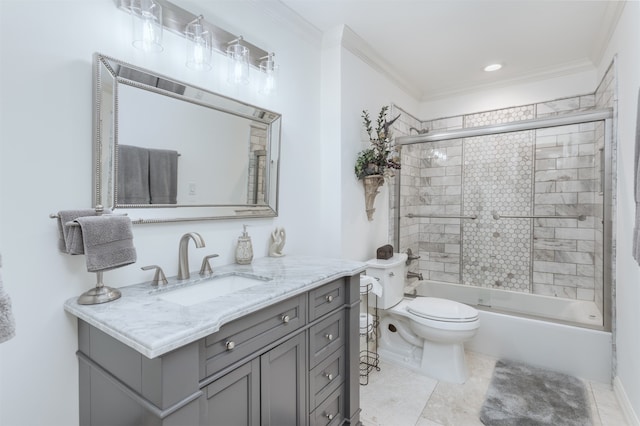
[
  {"x": 230, "y": 345},
  {"x": 285, "y": 318},
  {"x": 329, "y": 298},
  {"x": 329, "y": 376},
  {"x": 329, "y": 337},
  {"x": 330, "y": 416}
]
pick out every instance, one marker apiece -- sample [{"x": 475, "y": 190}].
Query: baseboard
[{"x": 625, "y": 404}]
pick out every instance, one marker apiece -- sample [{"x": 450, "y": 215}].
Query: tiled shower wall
[
  {"x": 257, "y": 164},
  {"x": 554, "y": 171}
]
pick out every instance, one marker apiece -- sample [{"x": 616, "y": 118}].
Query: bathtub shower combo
[{"x": 514, "y": 219}]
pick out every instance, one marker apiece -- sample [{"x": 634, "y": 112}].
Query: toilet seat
[{"x": 436, "y": 309}]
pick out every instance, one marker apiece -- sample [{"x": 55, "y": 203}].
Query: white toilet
[{"x": 426, "y": 334}]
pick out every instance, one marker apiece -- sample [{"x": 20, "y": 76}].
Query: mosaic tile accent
[
  {"x": 499, "y": 116},
  {"x": 497, "y": 179}
]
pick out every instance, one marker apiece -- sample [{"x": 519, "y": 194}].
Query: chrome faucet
[
  {"x": 183, "y": 253},
  {"x": 414, "y": 275}
]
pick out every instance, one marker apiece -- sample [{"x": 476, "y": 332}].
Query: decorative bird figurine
[{"x": 278, "y": 238}]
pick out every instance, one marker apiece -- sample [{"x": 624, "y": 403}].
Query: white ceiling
[{"x": 436, "y": 48}]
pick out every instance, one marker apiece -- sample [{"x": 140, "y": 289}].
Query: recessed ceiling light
[{"x": 493, "y": 67}]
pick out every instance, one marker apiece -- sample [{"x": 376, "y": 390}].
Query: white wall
[
  {"x": 46, "y": 141},
  {"x": 363, "y": 88},
  {"x": 624, "y": 44}
]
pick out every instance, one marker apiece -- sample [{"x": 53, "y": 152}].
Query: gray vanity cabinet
[
  {"x": 294, "y": 362},
  {"x": 234, "y": 399},
  {"x": 268, "y": 390}
]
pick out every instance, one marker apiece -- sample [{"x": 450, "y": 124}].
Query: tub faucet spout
[
  {"x": 414, "y": 275},
  {"x": 183, "y": 253}
]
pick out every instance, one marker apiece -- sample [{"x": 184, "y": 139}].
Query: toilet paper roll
[
  {"x": 366, "y": 323},
  {"x": 376, "y": 287}
]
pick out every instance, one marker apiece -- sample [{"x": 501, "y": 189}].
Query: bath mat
[{"x": 520, "y": 394}]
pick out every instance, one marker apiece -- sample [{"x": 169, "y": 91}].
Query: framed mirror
[{"x": 167, "y": 151}]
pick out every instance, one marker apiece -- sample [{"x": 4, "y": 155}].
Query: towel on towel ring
[{"x": 108, "y": 241}]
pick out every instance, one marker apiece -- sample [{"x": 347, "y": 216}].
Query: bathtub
[{"x": 539, "y": 330}]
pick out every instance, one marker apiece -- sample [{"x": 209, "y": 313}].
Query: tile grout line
[
  {"x": 427, "y": 403},
  {"x": 595, "y": 403}
]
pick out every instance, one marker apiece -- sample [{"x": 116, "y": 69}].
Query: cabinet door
[
  {"x": 234, "y": 399},
  {"x": 283, "y": 384}
]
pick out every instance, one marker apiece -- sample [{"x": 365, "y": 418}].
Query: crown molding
[
  {"x": 283, "y": 14},
  {"x": 360, "y": 48},
  {"x": 607, "y": 28},
  {"x": 568, "y": 68}
]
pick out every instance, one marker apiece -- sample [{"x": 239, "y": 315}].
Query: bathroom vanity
[{"x": 281, "y": 352}]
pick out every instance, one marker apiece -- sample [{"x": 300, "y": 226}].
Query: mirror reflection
[{"x": 162, "y": 144}]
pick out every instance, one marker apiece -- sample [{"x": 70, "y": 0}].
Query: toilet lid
[{"x": 442, "y": 309}]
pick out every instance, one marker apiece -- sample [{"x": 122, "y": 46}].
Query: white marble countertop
[{"x": 153, "y": 327}]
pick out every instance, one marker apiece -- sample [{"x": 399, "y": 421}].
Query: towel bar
[
  {"x": 100, "y": 293},
  {"x": 441, "y": 216}
]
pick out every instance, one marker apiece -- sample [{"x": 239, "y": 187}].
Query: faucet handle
[
  {"x": 158, "y": 277},
  {"x": 205, "y": 269},
  {"x": 411, "y": 256}
]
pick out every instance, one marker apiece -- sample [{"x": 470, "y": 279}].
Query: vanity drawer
[
  {"x": 249, "y": 334},
  {"x": 330, "y": 411},
  {"x": 325, "y": 299},
  {"x": 326, "y": 337},
  {"x": 326, "y": 377}
]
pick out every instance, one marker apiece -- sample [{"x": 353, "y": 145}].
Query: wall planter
[
  {"x": 376, "y": 162},
  {"x": 372, "y": 184}
]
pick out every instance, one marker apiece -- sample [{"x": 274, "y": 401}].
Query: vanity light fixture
[
  {"x": 238, "y": 62},
  {"x": 150, "y": 17},
  {"x": 269, "y": 75},
  {"x": 146, "y": 25},
  {"x": 198, "y": 45},
  {"x": 492, "y": 67}
]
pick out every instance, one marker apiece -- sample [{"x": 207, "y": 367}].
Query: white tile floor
[{"x": 396, "y": 396}]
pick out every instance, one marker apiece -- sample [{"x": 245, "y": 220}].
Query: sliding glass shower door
[{"x": 521, "y": 211}]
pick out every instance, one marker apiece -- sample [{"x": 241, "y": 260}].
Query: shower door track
[{"x": 516, "y": 126}]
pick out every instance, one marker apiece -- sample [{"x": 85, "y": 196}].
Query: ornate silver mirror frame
[{"x": 236, "y": 173}]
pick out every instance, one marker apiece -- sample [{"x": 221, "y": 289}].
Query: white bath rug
[{"x": 523, "y": 395}]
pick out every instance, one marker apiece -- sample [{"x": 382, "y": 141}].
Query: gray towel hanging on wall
[{"x": 7, "y": 323}]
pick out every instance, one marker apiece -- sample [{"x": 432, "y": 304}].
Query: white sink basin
[{"x": 208, "y": 290}]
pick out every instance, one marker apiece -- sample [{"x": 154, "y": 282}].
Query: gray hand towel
[
  {"x": 163, "y": 176},
  {"x": 133, "y": 175},
  {"x": 635, "y": 242},
  {"x": 7, "y": 324},
  {"x": 108, "y": 242},
  {"x": 70, "y": 237}
]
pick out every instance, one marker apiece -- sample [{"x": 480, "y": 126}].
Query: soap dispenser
[{"x": 244, "y": 250}]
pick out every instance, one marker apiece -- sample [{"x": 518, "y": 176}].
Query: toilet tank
[{"x": 391, "y": 275}]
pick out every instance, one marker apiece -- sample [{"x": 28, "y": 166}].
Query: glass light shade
[
  {"x": 238, "y": 64},
  {"x": 492, "y": 67},
  {"x": 268, "y": 76},
  {"x": 198, "y": 46},
  {"x": 147, "y": 25}
]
